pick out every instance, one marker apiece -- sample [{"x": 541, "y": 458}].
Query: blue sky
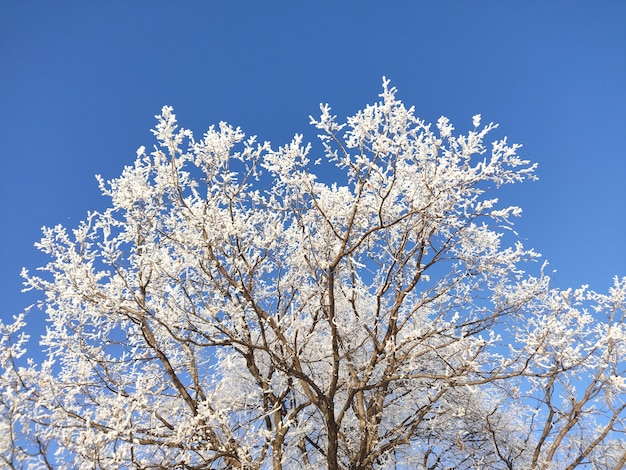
[{"x": 80, "y": 83}]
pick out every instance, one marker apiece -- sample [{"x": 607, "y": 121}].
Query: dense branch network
[{"x": 230, "y": 310}]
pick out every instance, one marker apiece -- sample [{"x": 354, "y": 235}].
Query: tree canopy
[{"x": 230, "y": 309}]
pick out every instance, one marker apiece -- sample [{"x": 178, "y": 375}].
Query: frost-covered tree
[{"x": 231, "y": 310}]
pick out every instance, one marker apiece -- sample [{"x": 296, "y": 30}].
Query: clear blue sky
[{"x": 80, "y": 83}]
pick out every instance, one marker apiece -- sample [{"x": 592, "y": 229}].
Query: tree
[{"x": 230, "y": 310}]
